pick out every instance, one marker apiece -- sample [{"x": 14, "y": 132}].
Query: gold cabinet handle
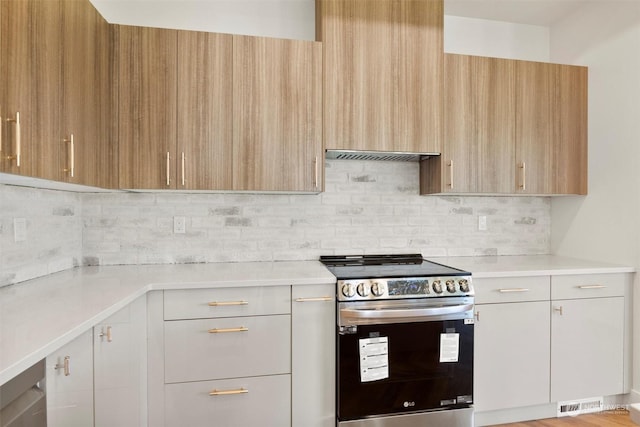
[
  {"x": 314, "y": 299},
  {"x": 72, "y": 156},
  {"x": 228, "y": 330},
  {"x": 183, "y": 164},
  {"x": 168, "y": 169},
  {"x": 558, "y": 309},
  {"x": 228, "y": 392},
  {"x": 509, "y": 290},
  {"x": 227, "y": 303},
  {"x": 0, "y": 134},
  {"x": 65, "y": 366},
  {"x": 18, "y": 147},
  {"x": 450, "y": 174},
  {"x": 107, "y": 334},
  {"x": 477, "y": 316},
  {"x": 592, "y": 287},
  {"x": 523, "y": 167}
]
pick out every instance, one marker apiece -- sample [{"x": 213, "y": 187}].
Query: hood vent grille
[{"x": 391, "y": 156}]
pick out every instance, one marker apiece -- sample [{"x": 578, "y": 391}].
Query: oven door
[{"x": 406, "y": 356}]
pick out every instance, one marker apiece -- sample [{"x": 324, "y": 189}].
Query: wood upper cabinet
[
  {"x": 31, "y": 80},
  {"x": 383, "y": 69},
  {"x": 87, "y": 98},
  {"x": 277, "y": 121},
  {"x": 147, "y": 103},
  {"x": 551, "y": 128},
  {"x": 204, "y": 129},
  {"x": 478, "y": 156}
]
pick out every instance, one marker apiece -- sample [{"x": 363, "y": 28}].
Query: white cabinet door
[
  {"x": 120, "y": 368},
  {"x": 313, "y": 326},
  {"x": 69, "y": 380},
  {"x": 511, "y": 355},
  {"x": 587, "y": 348}
]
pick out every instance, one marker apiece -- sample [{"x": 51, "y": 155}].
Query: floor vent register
[{"x": 579, "y": 407}]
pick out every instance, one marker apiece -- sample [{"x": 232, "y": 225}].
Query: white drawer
[
  {"x": 589, "y": 285},
  {"x": 267, "y": 402},
  {"x": 226, "y": 302},
  {"x": 193, "y": 353},
  {"x": 511, "y": 289}
]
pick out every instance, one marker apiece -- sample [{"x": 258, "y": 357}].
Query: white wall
[
  {"x": 496, "y": 39},
  {"x": 605, "y": 225}
]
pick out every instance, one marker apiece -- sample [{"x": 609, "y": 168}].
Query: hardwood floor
[{"x": 617, "y": 418}]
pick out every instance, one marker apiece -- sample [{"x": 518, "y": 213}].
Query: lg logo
[{"x": 409, "y": 404}]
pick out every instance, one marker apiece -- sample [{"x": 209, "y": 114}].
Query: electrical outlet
[
  {"x": 482, "y": 223},
  {"x": 179, "y": 225},
  {"x": 19, "y": 229}
]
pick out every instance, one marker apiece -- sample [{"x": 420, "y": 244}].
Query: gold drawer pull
[
  {"x": 314, "y": 299},
  {"x": 107, "y": 334},
  {"x": 65, "y": 366},
  {"x": 215, "y": 392},
  {"x": 224, "y": 330},
  {"x": 506, "y": 291},
  {"x": 592, "y": 287},
  {"x": 227, "y": 303}
]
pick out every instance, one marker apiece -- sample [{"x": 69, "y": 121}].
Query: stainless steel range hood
[{"x": 394, "y": 156}]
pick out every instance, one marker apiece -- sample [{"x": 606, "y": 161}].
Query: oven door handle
[{"x": 403, "y": 313}]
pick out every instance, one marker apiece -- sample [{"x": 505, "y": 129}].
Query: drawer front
[
  {"x": 226, "y": 302},
  {"x": 207, "y": 349},
  {"x": 589, "y": 285},
  {"x": 267, "y": 402},
  {"x": 512, "y": 289}
]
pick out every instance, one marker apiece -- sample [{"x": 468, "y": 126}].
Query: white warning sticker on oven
[
  {"x": 374, "y": 359},
  {"x": 449, "y": 347}
]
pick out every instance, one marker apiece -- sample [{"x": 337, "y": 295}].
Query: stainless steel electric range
[{"x": 404, "y": 342}]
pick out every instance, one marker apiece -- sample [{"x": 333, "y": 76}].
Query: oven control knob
[
  {"x": 348, "y": 290},
  {"x": 464, "y": 285},
  {"x": 377, "y": 289},
  {"x": 363, "y": 289},
  {"x": 451, "y": 286},
  {"x": 437, "y": 286}
]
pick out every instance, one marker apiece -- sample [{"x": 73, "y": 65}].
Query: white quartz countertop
[{"x": 39, "y": 316}]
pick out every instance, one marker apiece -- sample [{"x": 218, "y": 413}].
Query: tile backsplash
[{"x": 367, "y": 207}]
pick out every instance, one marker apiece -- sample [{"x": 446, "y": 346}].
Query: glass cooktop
[{"x": 379, "y": 266}]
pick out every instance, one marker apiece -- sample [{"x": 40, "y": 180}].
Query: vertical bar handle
[
  {"x": 72, "y": 156},
  {"x": 450, "y": 173},
  {"x": 168, "y": 169},
  {"x": 18, "y": 147},
  {"x": 0, "y": 134},
  {"x": 558, "y": 309},
  {"x": 315, "y": 172},
  {"x": 183, "y": 165},
  {"x": 523, "y": 181},
  {"x": 66, "y": 366},
  {"x": 107, "y": 334},
  {"x": 477, "y": 316}
]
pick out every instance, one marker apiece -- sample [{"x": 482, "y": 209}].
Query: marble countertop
[{"x": 39, "y": 316}]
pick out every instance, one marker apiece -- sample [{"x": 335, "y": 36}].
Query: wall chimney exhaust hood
[{"x": 394, "y": 156}]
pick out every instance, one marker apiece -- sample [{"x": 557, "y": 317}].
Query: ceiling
[{"x": 532, "y": 12}]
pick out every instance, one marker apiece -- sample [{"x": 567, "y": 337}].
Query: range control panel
[{"x": 402, "y": 288}]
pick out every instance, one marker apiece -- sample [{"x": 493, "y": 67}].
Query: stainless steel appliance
[{"x": 404, "y": 342}]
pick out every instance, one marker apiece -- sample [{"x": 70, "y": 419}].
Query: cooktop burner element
[{"x": 369, "y": 277}]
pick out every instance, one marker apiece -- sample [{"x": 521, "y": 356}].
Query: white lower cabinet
[
  {"x": 313, "y": 325},
  {"x": 120, "y": 368},
  {"x": 69, "y": 382},
  {"x": 238, "y": 402},
  {"x": 511, "y": 355}
]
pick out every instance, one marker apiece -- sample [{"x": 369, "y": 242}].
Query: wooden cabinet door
[
  {"x": 205, "y": 119},
  {"x": 313, "y": 339},
  {"x": 69, "y": 378},
  {"x": 535, "y": 86},
  {"x": 570, "y": 133},
  {"x": 511, "y": 354},
  {"x": 587, "y": 343},
  {"x": 87, "y": 113},
  {"x": 147, "y": 101},
  {"x": 32, "y": 51},
  {"x": 383, "y": 65},
  {"x": 277, "y": 118},
  {"x": 478, "y": 154}
]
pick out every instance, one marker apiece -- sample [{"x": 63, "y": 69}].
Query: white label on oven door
[
  {"x": 374, "y": 359},
  {"x": 449, "y": 347}
]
